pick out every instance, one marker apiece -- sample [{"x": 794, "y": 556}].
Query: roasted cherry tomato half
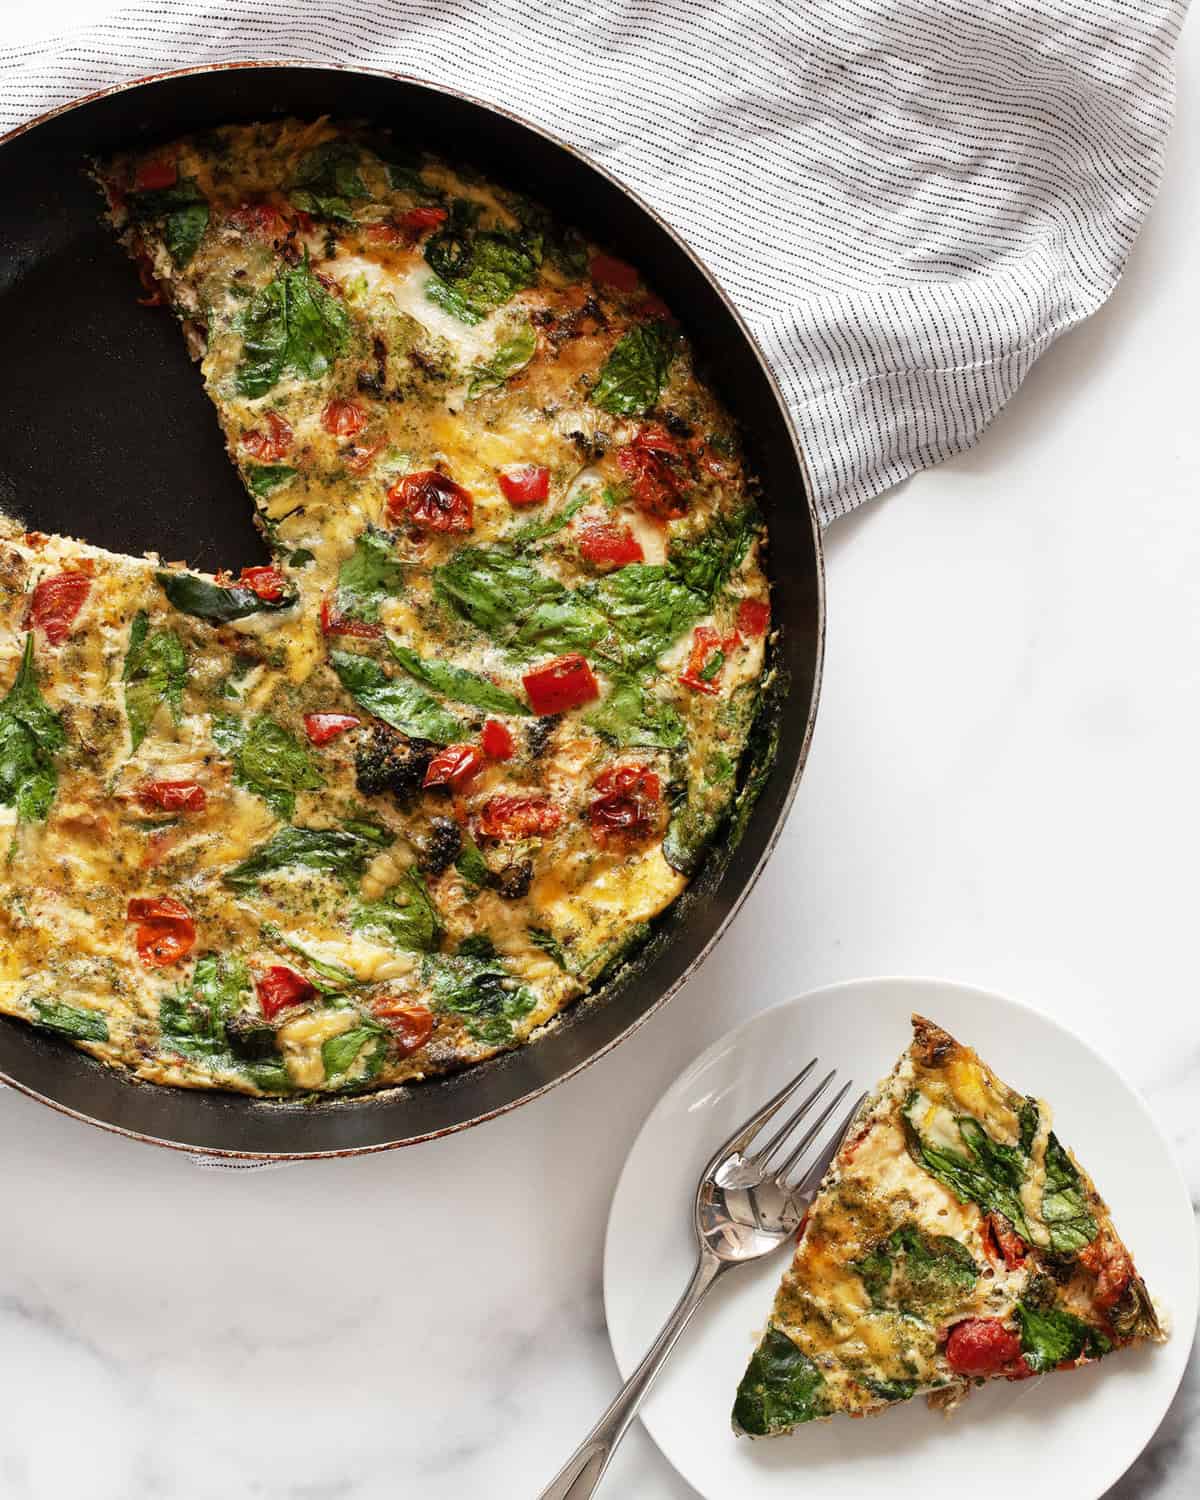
[
  {"x": 608, "y": 545},
  {"x": 333, "y": 623},
  {"x": 525, "y": 484},
  {"x": 268, "y": 583},
  {"x": 418, "y": 220},
  {"x": 343, "y": 418},
  {"x": 753, "y": 617},
  {"x": 281, "y": 987},
  {"x": 261, "y": 220},
  {"x": 270, "y": 442},
  {"x": 607, "y": 270},
  {"x": 431, "y": 500},
  {"x": 560, "y": 684},
  {"x": 357, "y": 458},
  {"x": 497, "y": 740},
  {"x": 707, "y": 660},
  {"x": 172, "y": 796},
  {"x": 165, "y": 931},
  {"x": 653, "y": 469},
  {"x": 55, "y": 603},
  {"x": 518, "y": 818},
  {"x": 410, "y": 1022},
  {"x": 628, "y": 808},
  {"x": 1003, "y": 1243},
  {"x": 155, "y": 174},
  {"x": 983, "y": 1346},
  {"x": 453, "y": 767}
]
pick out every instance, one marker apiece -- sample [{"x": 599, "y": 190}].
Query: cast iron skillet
[{"x": 107, "y": 435}]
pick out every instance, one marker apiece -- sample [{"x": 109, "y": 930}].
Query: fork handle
[{"x": 582, "y": 1472}]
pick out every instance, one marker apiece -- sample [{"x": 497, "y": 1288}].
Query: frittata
[
  {"x": 385, "y": 805},
  {"x": 954, "y": 1240}
]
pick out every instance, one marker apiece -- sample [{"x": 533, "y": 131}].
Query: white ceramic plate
[{"x": 1070, "y": 1434}]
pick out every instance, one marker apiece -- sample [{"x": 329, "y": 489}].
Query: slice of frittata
[{"x": 954, "y": 1240}]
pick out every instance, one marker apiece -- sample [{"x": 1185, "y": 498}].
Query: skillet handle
[{"x": 581, "y": 1474}]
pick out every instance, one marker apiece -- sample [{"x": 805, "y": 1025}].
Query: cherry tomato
[
  {"x": 609, "y": 545},
  {"x": 982, "y": 1346},
  {"x": 343, "y": 418},
  {"x": 453, "y": 767},
  {"x": 154, "y": 174},
  {"x": 704, "y": 666},
  {"x": 1109, "y": 1262},
  {"x": 418, "y": 220},
  {"x": 266, "y": 582},
  {"x": 410, "y": 1021},
  {"x": 518, "y": 817},
  {"x": 650, "y": 469},
  {"x": 609, "y": 271},
  {"x": 431, "y": 500},
  {"x": 654, "y": 308},
  {"x": 55, "y": 603},
  {"x": 269, "y": 446},
  {"x": 321, "y": 728},
  {"x": 1002, "y": 1242},
  {"x": 525, "y": 484},
  {"x": 497, "y": 740},
  {"x": 280, "y": 987},
  {"x": 172, "y": 796},
  {"x": 562, "y": 683},
  {"x": 333, "y": 623},
  {"x": 753, "y": 617},
  {"x": 260, "y": 220},
  {"x": 165, "y": 932},
  {"x": 359, "y": 459},
  {"x": 628, "y": 806}
]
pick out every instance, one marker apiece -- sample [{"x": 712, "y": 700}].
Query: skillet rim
[{"x": 738, "y": 898}]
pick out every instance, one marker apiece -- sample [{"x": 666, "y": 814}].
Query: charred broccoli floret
[
  {"x": 388, "y": 761},
  {"x": 441, "y": 846}
]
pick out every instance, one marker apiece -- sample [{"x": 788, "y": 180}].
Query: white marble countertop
[{"x": 1002, "y": 790}]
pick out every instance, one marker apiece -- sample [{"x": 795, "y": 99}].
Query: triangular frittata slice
[{"x": 953, "y": 1240}]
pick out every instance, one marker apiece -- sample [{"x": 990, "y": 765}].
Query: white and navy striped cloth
[{"x": 909, "y": 200}]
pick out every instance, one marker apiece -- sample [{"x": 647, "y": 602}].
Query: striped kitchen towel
[{"x": 909, "y": 200}]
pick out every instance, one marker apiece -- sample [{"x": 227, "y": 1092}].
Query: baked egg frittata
[
  {"x": 385, "y": 805},
  {"x": 953, "y": 1240}
]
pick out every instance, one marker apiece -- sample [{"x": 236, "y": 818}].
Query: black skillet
[{"x": 107, "y": 435}]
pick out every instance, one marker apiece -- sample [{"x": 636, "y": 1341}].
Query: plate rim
[{"x": 1186, "y": 1335}]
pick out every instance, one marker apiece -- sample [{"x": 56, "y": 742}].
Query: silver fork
[{"x": 747, "y": 1204}]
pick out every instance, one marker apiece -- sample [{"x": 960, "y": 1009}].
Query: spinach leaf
[
  {"x": 407, "y": 918},
  {"x": 568, "y": 623},
  {"x": 632, "y": 716},
  {"x": 330, "y": 979},
  {"x": 31, "y": 733},
  {"x": 1050, "y": 1335},
  {"x": 921, "y": 1275},
  {"x": 1064, "y": 1208},
  {"x": 219, "y": 602},
  {"x": 340, "y": 1053},
  {"x": 193, "y": 1021},
  {"x": 780, "y": 1388},
  {"x": 326, "y": 181},
  {"x": 548, "y": 943},
  {"x": 181, "y": 209},
  {"x": 890, "y": 1390},
  {"x": 689, "y": 833},
  {"x": 371, "y": 574},
  {"x": 345, "y": 851},
  {"x": 471, "y": 865},
  {"x": 291, "y": 326},
  {"x": 704, "y": 563},
  {"x": 491, "y": 587},
  {"x": 476, "y": 990},
  {"x": 263, "y": 478},
  {"x": 267, "y": 760},
  {"x": 478, "y": 945},
  {"x": 545, "y": 238},
  {"x": 394, "y": 700},
  {"x": 534, "y": 531},
  {"x": 635, "y": 373},
  {"x": 70, "y": 1021},
  {"x": 648, "y": 609},
  {"x": 155, "y": 672},
  {"x": 476, "y": 270},
  {"x": 987, "y": 1173},
  {"x": 457, "y": 683},
  {"x": 509, "y": 357}
]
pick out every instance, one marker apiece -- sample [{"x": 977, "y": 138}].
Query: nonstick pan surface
[{"x": 106, "y": 434}]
